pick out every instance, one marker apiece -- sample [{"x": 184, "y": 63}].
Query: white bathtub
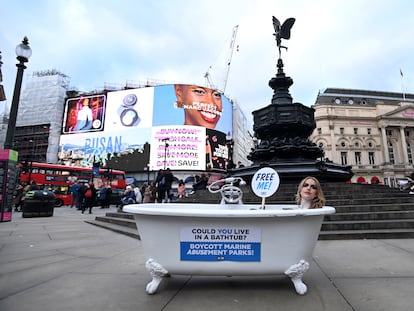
[{"x": 216, "y": 239}]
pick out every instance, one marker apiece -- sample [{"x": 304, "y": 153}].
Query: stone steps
[
  {"x": 367, "y": 234},
  {"x": 118, "y": 222},
  {"x": 382, "y": 215},
  {"x": 341, "y": 225}
]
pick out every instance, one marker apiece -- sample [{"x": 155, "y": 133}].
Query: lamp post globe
[{"x": 23, "y": 52}]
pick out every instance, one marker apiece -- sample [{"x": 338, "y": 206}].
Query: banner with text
[{"x": 220, "y": 243}]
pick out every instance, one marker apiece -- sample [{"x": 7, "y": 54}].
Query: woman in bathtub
[{"x": 310, "y": 194}]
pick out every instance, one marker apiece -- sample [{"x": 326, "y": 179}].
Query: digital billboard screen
[
  {"x": 193, "y": 120},
  {"x": 84, "y": 114}
]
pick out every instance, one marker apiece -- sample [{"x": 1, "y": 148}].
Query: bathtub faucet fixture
[{"x": 230, "y": 194}]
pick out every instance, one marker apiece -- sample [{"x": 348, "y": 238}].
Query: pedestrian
[
  {"x": 128, "y": 196},
  {"x": 149, "y": 194},
  {"x": 89, "y": 197},
  {"x": 169, "y": 178},
  {"x": 34, "y": 185},
  {"x": 160, "y": 184},
  {"x": 74, "y": 190},
  {"x": 181, "y": 189},
  {"x": 200, "y": 184},
  {"x": 138, "y": 194},
  {"x": 18, "y": 198},
  {"x": 106, "y": 201}
]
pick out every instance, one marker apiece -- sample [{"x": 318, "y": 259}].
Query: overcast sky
[{"x": 358, "y": 44}]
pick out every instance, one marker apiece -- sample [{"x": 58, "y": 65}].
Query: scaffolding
[{"x": 39, "y": 119}]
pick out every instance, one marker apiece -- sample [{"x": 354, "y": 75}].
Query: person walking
[
  {"x": 89, "y": 197},
  {"x": 169, "y": 178},
  {"x": 74, "y": 190},
  {"x": 160, "y": 183}
]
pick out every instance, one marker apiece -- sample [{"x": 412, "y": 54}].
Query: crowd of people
[{"x": 85, "y": 196}]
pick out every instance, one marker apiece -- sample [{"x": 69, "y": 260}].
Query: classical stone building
[{"x": 369, "y": 130}]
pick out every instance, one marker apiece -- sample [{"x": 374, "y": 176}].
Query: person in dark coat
[
  {"x": 104, "y": 196},
  {"x": 201, "y": 184},
  {"x": 81, "y": 196},
  {"x": 169, "y": 178},
  {"x": 160, "y": 184},
  {"x": 89, "y": 200}
]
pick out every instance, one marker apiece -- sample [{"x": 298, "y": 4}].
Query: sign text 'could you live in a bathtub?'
[{"x": 265, "y": 183}]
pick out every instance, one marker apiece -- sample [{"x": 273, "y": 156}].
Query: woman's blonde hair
[{"x": 319, "y": 200}]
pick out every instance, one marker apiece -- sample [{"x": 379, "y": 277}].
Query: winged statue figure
[{"x": 282, "y": 31}]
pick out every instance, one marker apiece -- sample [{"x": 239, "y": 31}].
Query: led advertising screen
[
  {"x": 84, "y": 114},
  {"x": 190, "y": 119}
]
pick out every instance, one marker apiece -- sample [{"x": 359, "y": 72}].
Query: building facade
[
  {"x": 39, "y": 118},
  {"x": 243, "y": 140},
  {"x": 369, "y": 130}
]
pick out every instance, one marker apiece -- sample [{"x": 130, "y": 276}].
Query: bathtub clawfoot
[
  {"x": 157, "y": 272},
  {"x": 295, "y": 272}
]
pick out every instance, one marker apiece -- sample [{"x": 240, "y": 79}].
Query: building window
[
  {"x": 358, "y": 158},
  {"x": 344, "y": 158},
  {"x": 409, "y": 153},
  {"x": 369, "y": 131},
  {"x": 341, "y": 131},
  {"x": 355, "y": 130},
  {"x": 407, "y": 133},
  {"x": 371, "y": 158},
  {"x": 319, "y": 131},
  {"x": 391, "y": 152},
  {"x": 388, "y": 132}
]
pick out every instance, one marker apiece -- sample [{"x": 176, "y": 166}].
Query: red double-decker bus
[{"x": 59, "y": 178}]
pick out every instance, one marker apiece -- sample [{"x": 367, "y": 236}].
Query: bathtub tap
[{"x": 230, "y": 194}]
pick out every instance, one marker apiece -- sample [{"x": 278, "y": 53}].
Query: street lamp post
[
  {"x": 31, "y": 158},
  {"x": 165, "y": 140},
  {"x": 23, "y": 52}
]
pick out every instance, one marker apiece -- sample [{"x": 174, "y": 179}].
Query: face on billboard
[
  {"x": 202, "y": 106},
  {"x": 84, "y": 114},
  {"x": 182, "y": 104}
]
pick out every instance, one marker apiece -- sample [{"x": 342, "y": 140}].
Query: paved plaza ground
[{"x": 62, "y": 263}]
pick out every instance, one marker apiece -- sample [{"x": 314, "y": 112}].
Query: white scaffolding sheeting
[{"x": 42, "y": 102}]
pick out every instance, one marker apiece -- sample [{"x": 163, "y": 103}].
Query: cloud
[{"x": 347, "y": 44}]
